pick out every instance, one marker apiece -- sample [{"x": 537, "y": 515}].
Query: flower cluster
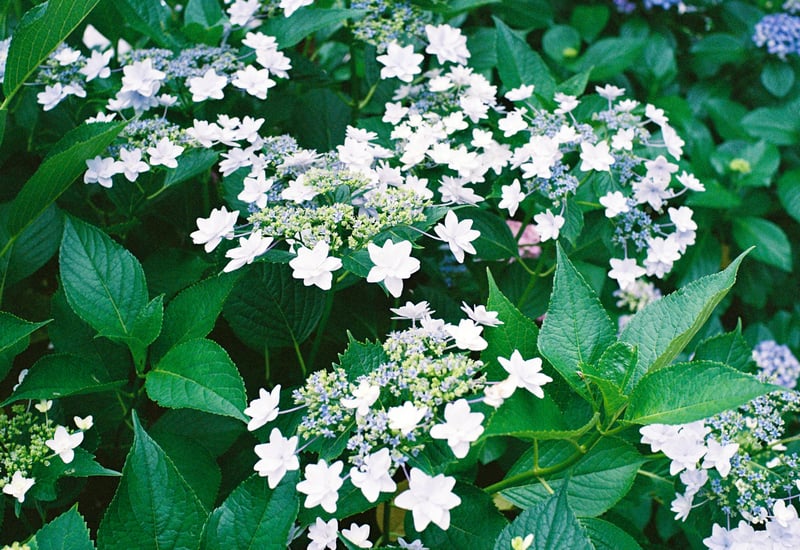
[
  {"x": 779, "y": 33},
  {"x": 380, "y": 419},
  {"x": 777, "y": 363},
  {"x": 781, "y": 530},
  {"x": 754, "y": 469},
  {"x": 30, "y": 441}
]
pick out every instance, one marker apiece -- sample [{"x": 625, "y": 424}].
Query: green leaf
[
  {"x": 267, "y": 307},
  {"x": 14, "y": 337},
  {"x": 561, "y": 42},
  {"x": 361, "y": 358},
  {"x": 203, "y": 22},
  {"x": 714, "y": 50},
  {"x": 40, "y": 31},
  {"x": 663, "y": 328},
  {"x": 589, "y": 20},
  {"x": 552, "y": 523},
  {"x": 789, "y": 193},
  {"x": 148, "y": 17},
  {"x": 496, "y": 241},
  {"x": 607, "y": 536},
  {"x": 68, "y": 532},
  {"x": 518, "y": 64},
  {"x": 103, "y": 282},
  {"x": 190, "y": 164},
  {"x": 778, "y": 78},
  {"x": 595, "y": 484},
  {"x": 609, "y": 56},
  {"x": 154, "y": 506},
  {"x": 62, "y": 374},
  {"x": 306, "y": 21},
  {"x": 32, "y": 248},
  {"x": 254, "y": 516},
  {"x": 525, "y": 416},
  {"x": 65, "y": 162},
  {"x": 777, "y": 126},
  {"x": 194, "y": 463},
  {"x": 771, "y": 244},
  {"x": 517, "y": 332},
  {"x": 193, "y": 312},
  {"x": 685, "y": 392},
  {"x": 729, "y": 348},
  {"x": 198, "y": 374},
  {"x": 611, "y": 374},
  {"x": 475, "y": 523},
  {"x": 577, "y": 329}
]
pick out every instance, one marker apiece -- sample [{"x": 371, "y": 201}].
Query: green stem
[
  {"x": 537, "y": 472},
  {"x": 300, "y": 360}
]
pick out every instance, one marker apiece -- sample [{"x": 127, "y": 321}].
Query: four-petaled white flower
[
  {"x": 400, "y": 62},
  {"x": 467, "y": 335},
  {"x": 321, "y": 485},
  {"x": 458, "y": 235},
  {"x": 406, "y": 417},
  {"x": 218, "y": 226},
  {"x": 625, "y": 272},
  {"x": 165, "y": 153},
  {"x": 101, "y": 170},
  {"x": 430, "y": 499},
  {"x": 461, "y": 427},
  {"x": 615, "y": 203},
  {"x": 373, "y": 476},
  {"x": 548, "y": 225},
  {"x": 314, "y": 265},
  {"x": 392, "y": 264},
  {"x": 596, "y": 157},
  {"x": 131, "y": 163},
  {"x": 363, "y": 397},
  {"x": 526, "y": 373},
  {"x": 323, "y": 534},
  {"x": 64, "y": 443},
  {"x": 447, "y": 44},
  {"x": 264, "y": 408},
  {"x": 480, "y": 315},
  {"x": 208, "y": 86},
  {"x": 358, "y": 535},
  {"x": 249, "y": 248},
  {"x": 511, "y": 196},
  {"x": 276, "y": 457},
  {"x": 18, "y": 486},
  {"x": 719, "y": 456}
]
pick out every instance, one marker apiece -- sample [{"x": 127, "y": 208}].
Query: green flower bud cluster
[
  {"x": 22, "y": 442},
  {"x": 389, "y": 21},
  {"x": 417, "y": 372},
  {"x": 346, "y": 211}
]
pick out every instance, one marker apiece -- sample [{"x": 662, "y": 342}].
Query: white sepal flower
[
  {"x": 400, "y": 62},
  {"x": 131, "y": 163},
  {"x": 625, "y": 272},
  {"x": 276, "y": 457},
  {"x": 363, "y": 397},
  {"x": 373, "y": 477},
  {"x": 264, "y": 408},
  {"x": 458, "y": 235},
  {"x": 719, "y": 456},
  {"x": 526, "y": 373},
  {"x": 511, "y": 196},
  {"x": 358, "y": 535},
  {"x": 461, "y": 427},
  {"x": 218, "y": 226},
  {"x": 165, "y": 153},
  {"x": 430, "y": 499},
  {"x": 596, "y": 157},
  {"x": 64, "y": 443},
  {"x": 247, "y": 251},
  {"x": 392, "y": 264},
  {"x": 467, "y": 335},
  {"x": 314, "y": 266},
  {"x": 615, "y": 203},
  {"x": 208, "y": 86},
  {"x": 480, "y": 315},
  {"x": 406, "y": 417},
  {"x": 548, "y": 225},
  {"x": 101, "y": 170},
  {"x": 321, "y": 485},
  {"x": 83, "y": 424},
  {"x": 18, "y": 486},
  {"x": 447, "y": 44},
  {"x": 323, "y": 534}
]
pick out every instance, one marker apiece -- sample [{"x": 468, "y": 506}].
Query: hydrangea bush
[{"x": 392, "y": 274}]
